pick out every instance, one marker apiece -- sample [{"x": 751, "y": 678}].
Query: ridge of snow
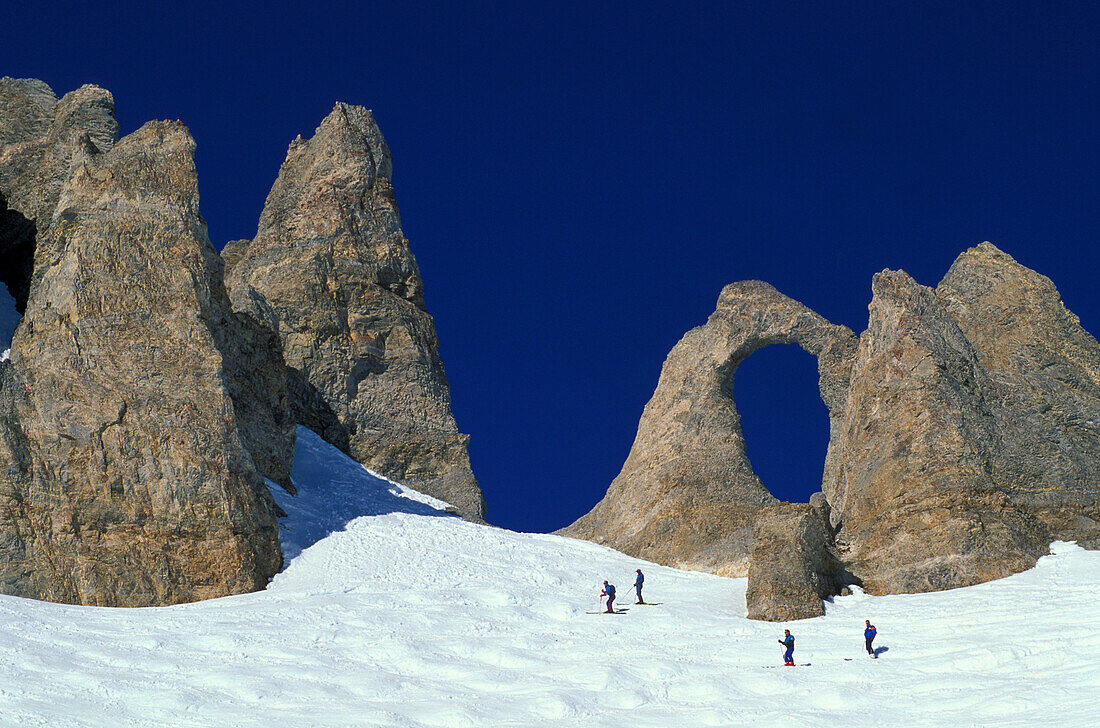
[{"x": 394, "y": 613}]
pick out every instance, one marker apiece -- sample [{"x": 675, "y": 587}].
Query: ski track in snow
[{"x": 407, "y": 616}]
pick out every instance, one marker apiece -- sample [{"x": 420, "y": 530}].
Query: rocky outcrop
[
  {"x": 687, "y": 495},
  {"x": 332, "y": 273},
  {"x": 794, "y": 562},
  {"x": 39, "y": 136},
  {"x": 42, "y": 142},
  {"x": 125, "y": 473},
  {"x": 1046, "y": 371},
  {"x": 971, "y": 436},
  {"x": 964, "y": 438}
]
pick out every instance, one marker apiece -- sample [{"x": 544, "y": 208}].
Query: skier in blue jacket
[
  {"x": 638, "y": 586},
  {"x": 788, "y": 642},
  {"x": 609, "y": 592},
  {"x": 869, "y": 637}
]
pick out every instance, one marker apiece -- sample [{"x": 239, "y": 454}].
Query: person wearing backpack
[
  {"x": 869, "y": 636},
  {"x": 788, "y": 642},
  {"x": 609, "y": 592}
]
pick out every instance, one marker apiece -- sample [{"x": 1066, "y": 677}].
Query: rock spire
[
  {"x": 331, "y": 271},
  {"x": 124, "y": 476}
]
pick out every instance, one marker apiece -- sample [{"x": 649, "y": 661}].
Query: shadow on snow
[{"x": 334, "y": 490}]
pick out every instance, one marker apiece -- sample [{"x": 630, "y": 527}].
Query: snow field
[{"x": 411, "y": 617}]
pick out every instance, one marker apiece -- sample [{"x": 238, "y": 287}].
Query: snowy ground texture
[{"x": 410, "y": 617}]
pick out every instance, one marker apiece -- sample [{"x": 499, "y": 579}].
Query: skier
[
  {"x": 869, "y": 637},
  {"x": 638, "y": 586},
  {"x": 788, "y": 642},
  {"x": 609, "y": 592}
]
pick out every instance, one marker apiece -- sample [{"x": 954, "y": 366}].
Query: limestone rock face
[
  {"x": 43, "y": 141},
  {"x": 232, "y": 253},
  {"x": 687, "y": 495},
  {"x": 794, "y": 562},
  {"x": 1046, "y": 371},
  {"x": 124, "y": 476},
  {"x": 39, "y": 136},
  {"x": 971, "y": 435},
  {"x": 331, "y": 271},
  {"x": 255, "y": 375}
]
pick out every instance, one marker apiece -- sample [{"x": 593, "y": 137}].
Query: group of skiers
[
  {"x": 609, "y": 591},
  {"x": 869, "y": 631}
]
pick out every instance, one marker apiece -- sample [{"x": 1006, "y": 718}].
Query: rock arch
[{"x": 687, "y": 494}]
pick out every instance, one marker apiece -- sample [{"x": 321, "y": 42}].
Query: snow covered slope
[{"x": 407, "y": 616}]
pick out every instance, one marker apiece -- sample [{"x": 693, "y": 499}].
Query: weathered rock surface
[
  {"x": 232, "y": 253},
  {"x": 964, "y": 438},
  {"x": 687, "y": 495},
  {"x": 124, "y": 473},
  {"x": 255, "y": 375},
  {"x": 794, "y": 562},
  {"x": 38, "y": 137},
  {"x": 1046, "y": 370},
  {"x": 331, "y": 271},
  {"x": 42, "y": 141},
  {"x": 972, "y": 436}
]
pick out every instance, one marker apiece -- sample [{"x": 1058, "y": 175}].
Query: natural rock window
[
  {"x": 784, "y": 422},
  {"x": 16, "y": 256}
]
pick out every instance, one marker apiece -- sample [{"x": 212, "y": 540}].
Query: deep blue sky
[{"x": 580, "y": 180}]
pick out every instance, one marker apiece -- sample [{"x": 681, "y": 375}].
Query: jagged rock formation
[
  {"x": 972, "y": 438},
  {"x": 794, "y": 562},
  {"x": 125, "y": 473},
  {"x": 687, "y": 495},
  {"x": 964, "y": 438},
  {"x": 38, "y": 137},
  {"x": 331, "y": 271}
]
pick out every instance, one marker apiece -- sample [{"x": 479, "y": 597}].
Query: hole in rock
[
  {"x": 784, "y": 421},
  {"x": 17, "y": 238}
]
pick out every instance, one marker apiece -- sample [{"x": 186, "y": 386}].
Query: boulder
[
  {"x": 331, "y": 271},
  {"x": 687, "y": 495},
  {"x": 794, "y": 562},
  {"x": 124, "y": 477}
]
